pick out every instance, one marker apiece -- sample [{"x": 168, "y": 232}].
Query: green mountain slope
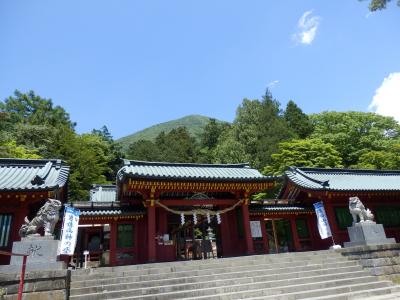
[{"x": 194, "y": 123}]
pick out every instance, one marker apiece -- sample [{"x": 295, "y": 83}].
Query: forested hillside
[
  {"x": 194, "y": 124},
  {"x": 269, "y": 137}
]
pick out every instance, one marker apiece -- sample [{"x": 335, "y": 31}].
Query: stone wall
[
  {"x": 381, "y": 260},
  {"x": 43, "y": 285}
]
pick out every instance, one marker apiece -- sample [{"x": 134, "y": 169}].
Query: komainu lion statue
[
  {"x": 47, "y": 217},
  {"x": 357, "y": 208}
]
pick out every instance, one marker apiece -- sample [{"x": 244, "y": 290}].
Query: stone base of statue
[
  {"x": 367, "y": 233},
  {"x": 43, "y": 253}
]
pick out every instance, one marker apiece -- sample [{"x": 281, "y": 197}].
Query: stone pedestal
[
  {"x": 367, "y": 233},
  {"x": 43, "y": 255}
]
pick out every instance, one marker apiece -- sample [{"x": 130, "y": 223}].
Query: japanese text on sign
[{"x": 70, "y": 231}]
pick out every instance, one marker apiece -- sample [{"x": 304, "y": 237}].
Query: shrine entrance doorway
[
  {"x": 197, "y": 241},
  {"x": 279, "y": 235}
]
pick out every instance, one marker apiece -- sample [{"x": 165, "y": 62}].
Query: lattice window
[
  {"x": 5, "y": 229},
  {"x": 389, "y": 216},
  {"x": 125, "y": 235},
  {"x": 343, "y": 217}
]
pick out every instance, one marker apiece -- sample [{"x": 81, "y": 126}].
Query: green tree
[
  {"x": 177, "y": 146},
  {"x": 32, "y": 109},
  {"x": 88, "y": 155},
  {"x": 212, "y": 132},
  {"x": 33, "y": 127},
  {"x": 298, "y": 121},
  {"x": 10, "y": 149},
  {"x": 388, "y": 159},
  {"x": 354, "y": 133},
  {"x": 303, "y": 153},
  {"x": 375, "y": 5},
  {"x": 229, "y": 150},
  {"x": 143, "y": 150},
  {"x": 209, "y": 140},
  {"x": 34, "y": 122},
  {"x": 115, "y": 152},
  {"x": 259, "y": 126}
]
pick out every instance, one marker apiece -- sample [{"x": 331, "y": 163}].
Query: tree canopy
[
  {"x": 175, "y": 146},
  {"x": 375, "y": 5},
  {"x": 32, "y": 127},
  {"x": 269, "y": 138},
  {"x": 355, "y": 133},
  {"x": 304, "y": 153}
]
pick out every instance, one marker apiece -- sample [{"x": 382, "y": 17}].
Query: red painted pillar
[
  {"x": 151, "y": 232},
  {"x": 264, "y": 235},
  {"x": 296, "y": 241},
  {"x": 225, "y": 235},
  {"x": 247, "y": 231},
  {"x": 113, "y": 243}
]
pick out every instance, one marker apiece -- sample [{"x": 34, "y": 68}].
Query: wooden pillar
[
  {"x": 264, "y": 235},
  {"x": 113, "y": 243},
  {"x": 247, "y": 231},
  {"x": 151, "y": 232},
  {"x": 296, "y": 241},
  {"x": 225, "y": 235}
]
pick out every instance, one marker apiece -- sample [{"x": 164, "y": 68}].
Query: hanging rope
[{"x": 199, "y": 211}]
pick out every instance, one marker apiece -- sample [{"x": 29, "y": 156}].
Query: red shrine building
[
  {"x": 173, "y": 211},
  {"x": 378, "y": 190},
  {"x": 179, "y": 211},
  {"x": 25, "y": 185}
]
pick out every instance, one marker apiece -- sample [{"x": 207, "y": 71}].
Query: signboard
[
  {"x": 323, "y": 224},
  {"x": 255, "y": 227},
  {"x": 70, "y": 231}
]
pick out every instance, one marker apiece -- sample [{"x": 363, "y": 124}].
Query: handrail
[{"x": 23, "y": 268}]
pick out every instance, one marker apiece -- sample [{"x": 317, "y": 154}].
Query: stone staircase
[{"x": 301, "y": 275}]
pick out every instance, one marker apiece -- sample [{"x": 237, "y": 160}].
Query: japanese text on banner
[
  {"x": 323, "y": 224},
  {"x": 70, "y": 231}
]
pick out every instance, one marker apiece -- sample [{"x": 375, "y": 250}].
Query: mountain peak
[{"x": 194, "y": 124}]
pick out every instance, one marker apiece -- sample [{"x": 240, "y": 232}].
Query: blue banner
[
  {"x": 323, "y": 224},
  {"x": 70, "y": 230}
]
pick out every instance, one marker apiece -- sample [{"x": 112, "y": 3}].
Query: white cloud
[
  {"x": 386, "y": 100},
  {"x": 307, "y": 27},
  {"x": 272, "y": 84}
]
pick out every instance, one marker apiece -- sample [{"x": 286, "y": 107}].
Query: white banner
[
  {"x": 70, "y": 231},
  {"x": 255, "y": 227},
  {"x": 323, "y": 224}
]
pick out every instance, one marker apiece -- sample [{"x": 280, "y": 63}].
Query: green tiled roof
[
  {"x": 344, "y": 179},
  {"x": 188, "y": 171},
  {"x": 32, "y": 174}
]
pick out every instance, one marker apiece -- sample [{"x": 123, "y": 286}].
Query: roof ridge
[
  {"x": 294, "y": 170},
  {"x": 346, "y": 170},
  {"x": 178, "y": 164},
  {"x": 29, "y": 161}
]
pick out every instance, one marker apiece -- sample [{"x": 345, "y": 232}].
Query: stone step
[
  {"x": 192, "y": 263},
  {"x": 308, "y": 294},
  {"x": 232, "y": 261},
  {"x": 389, "y": 292},
  {"x": 347, "y": 292},
  {"x": 208, "y": 289},
  {"x": 279, "y": 263},
  {"x": 261, "y": 268},
  {"x": 236, "y": 277},
  {"x": 391, "y": 296},
  {"x": 209, "y": 275}
]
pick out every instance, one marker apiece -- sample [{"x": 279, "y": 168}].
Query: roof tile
[
  {"x": 32, "y": 174},
  {"x": 345, "y": 179},
  {"x": 188, "y": 171}
]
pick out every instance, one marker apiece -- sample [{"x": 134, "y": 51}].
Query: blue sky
[{"x": 131, "y": 64}]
